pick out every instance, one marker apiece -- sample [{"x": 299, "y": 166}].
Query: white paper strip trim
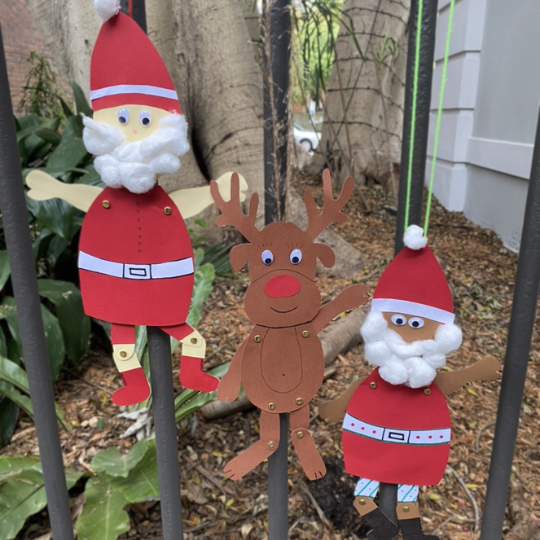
[
  {"x": 412, "y": 308},
  {"x": 133, "y": 89}
]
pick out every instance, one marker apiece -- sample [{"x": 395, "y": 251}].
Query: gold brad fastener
[
  {"x": 300, "y": 434},
  {"x": 373, "y": 385},
  {"x": 271, "y": 445},
  {"x": 427, "y": 391},
  {"x": 123, "y": 354},
  {"x": 406, "y": 509},
  {"x": 362, "y": 502},
  {"x": 167, "y": 210},
  {"x": 257, "y": 339},
  {"x": 106, "y": 204},
  {"x": 271, "y": 406},
  {"x": 299, "y": 401},
  {"x": 305, "y": 333},
  {"x": 193, "y": 340}
]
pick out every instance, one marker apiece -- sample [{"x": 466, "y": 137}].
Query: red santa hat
[
  {"x": 126, "y": 69},
  {"x": 414, "y": 283}
]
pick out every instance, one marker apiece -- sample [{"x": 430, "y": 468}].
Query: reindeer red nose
[{"x": 282, "y": 286}]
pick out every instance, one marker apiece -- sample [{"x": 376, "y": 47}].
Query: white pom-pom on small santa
[
  {"x": 106, "y": 9},
  {"x": 410, "y": 329}
]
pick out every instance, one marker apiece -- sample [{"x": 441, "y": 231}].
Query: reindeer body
[
  {"x": 281, "y": 363},
  {"x": 282, "y": 368}
]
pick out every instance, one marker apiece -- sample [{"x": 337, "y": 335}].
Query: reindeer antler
[
  {"x": 231, "y": 211},
  {"x": 331, "y": 212}
]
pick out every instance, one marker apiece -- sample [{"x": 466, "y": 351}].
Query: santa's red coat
[
  {"x": 124, "y": 227},
  {"x": 403, "y": 408}
]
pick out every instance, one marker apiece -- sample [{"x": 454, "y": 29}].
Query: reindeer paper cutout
[{"x": 281, "y": 364}]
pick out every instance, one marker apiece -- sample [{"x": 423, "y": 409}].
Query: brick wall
[{"x": 20, "y": 36}]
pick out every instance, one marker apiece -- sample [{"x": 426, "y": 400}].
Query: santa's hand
[
  {"x": 224, "y": 185},
  {"x": 228, "y": 388},
  {"x": 43, "y": 186},
  {"x": 489, "y": 369}
]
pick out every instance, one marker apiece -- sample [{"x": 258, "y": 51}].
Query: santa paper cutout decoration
[
  {"x": 280, "y": 364},
  {"x": 396, "y": 423},
  {"x": 135, "y": 256}
]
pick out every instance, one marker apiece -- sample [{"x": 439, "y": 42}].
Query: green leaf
[
  {"x": 91, "y": 178},
  {"x": 103, "y": 516},
  {"x": 4, "y": 269},
  {"x": 68, "y": 113},
  {"x": 23, "y": 494},
  {"x": 142, "y": 483},
  {"x": 56, "y": 247},
  {"x": 54, "y": 338},
  {"x": 9, "y": 414},
  {"x": 113, "y": 463},
  {"x": 80, "y": 100},
  {"x": 3, "y": 343},
  {"x": 68, "y": 154},
  {"x": 14, "y": 374},
  {"x": 202, "y": 286},
  {"x": 14, "y": 395},
  {"x": 55, "y": 215},
  {"x": 69, "y": 310},
  {"x": 74, "y": 128}
]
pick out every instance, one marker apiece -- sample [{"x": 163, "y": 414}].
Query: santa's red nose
[{"x": 282, "y": 286}]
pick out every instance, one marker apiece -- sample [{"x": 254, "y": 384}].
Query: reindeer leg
[
  {"x": 257, "y": 453},
  {"x": 304, "y": 445}
]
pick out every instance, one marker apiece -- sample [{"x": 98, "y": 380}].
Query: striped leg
[{"x": 409, "y": 516}]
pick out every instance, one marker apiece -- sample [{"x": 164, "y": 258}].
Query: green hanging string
[
  {"x": 413, "y": 113},
  {"x": 439, "y": 115}
]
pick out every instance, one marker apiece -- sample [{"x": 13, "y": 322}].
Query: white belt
[
  {"x": 400, "y": 436},
  {"x": 172, "y": 269}
]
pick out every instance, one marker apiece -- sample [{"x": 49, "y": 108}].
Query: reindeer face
[{"x": 282, "y": 266}]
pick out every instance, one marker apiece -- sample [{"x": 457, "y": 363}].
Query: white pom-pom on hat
[
  {"x": 414, "y": 237},
  {"x": 107, "y": 9}
]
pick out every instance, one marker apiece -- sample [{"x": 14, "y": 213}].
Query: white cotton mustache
[{"x": 135, "y": 165}]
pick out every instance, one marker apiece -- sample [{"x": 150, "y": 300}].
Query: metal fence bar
[
  {"x": 24, "y": 280},
  {"x": 425, "y": 76},
  {"x": 278, "y": 488},
  {"x": 517, "y": 357},
  {"x": 388, "y": 492},
  {"x": 159, "y": 352}
]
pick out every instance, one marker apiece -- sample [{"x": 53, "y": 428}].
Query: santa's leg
[
  {"x": 191, "y": 361},
  {"x": 409, "y": 516},
  {"x": 304, "y": 445},
  {"x": 136, "y": 387},
  {"x": 258, "y": 452},
  {"x": 381, "y": 527}
]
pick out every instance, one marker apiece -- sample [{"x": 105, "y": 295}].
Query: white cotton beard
[
  {"x": 413, "y": 364},
  {"x": 136, "y": 165}
]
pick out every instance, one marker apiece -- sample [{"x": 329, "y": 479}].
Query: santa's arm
[
  {"x": 487, "y": 369},
  {"x": 352, "y": 297},
  {"x": 229, "y": 386},
  {"x": 193, "y": 201},
  {"x": 44, "y": 187},
  {"x": 334, "y": 411}
]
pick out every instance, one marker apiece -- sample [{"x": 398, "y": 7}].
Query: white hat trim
[
  {"x": 412, "y": 308},
  {"x": 133, "y": 89}
]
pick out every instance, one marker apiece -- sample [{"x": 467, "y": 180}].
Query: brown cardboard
[
  {"x": 334, "y": 411},
  {"x": 281, "y": 363},
  {"x": 487, "y": 369}
]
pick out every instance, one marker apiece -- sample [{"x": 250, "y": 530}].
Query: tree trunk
[
  {"x": 364, "y": 105},
  {"x": 206, "y": 47}
]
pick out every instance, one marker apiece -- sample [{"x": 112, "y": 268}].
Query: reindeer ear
[
  {"x": 239, "y": 256},
  {"x": 325, "y": 254}
]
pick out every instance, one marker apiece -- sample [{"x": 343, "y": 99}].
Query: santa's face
[
  {"x": 408, "y": 349},
  {"x": 134, "y": 145}
]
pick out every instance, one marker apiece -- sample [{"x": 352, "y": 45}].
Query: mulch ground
[{"x": 481, "y": 273}]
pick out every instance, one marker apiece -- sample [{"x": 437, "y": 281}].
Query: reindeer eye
[
  {"x": 416, "y": 322},
  {"x": 123, "y": 116},
  {"x": 267, "y": 257},
  {"x": 295, "y": 256},
  {"x": 399, "y": 320},
  {"x": 145, "y": 118}
]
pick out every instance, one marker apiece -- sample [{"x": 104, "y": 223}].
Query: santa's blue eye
[
  {"x": 416, "y": 322},
  {"x": 145, "y": 118},
  {"x": 267, "y": 257},
  {"x": 295, "y": 256},
  {"x": 123, "y": 116},
  {"x": 399, "y": 320}
]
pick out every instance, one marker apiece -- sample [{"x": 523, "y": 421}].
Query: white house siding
[{"x": 490, "y": 111}]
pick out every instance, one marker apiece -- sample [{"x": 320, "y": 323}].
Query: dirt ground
[{"x": 481, "y": 273}]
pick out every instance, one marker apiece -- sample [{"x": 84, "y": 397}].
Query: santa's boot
[
  {"x": 136, "y": 388},
  {"x": 381, "y": 527},
  {"x": 193, "y": 377},
  {"x": 411, "y": 529}
]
